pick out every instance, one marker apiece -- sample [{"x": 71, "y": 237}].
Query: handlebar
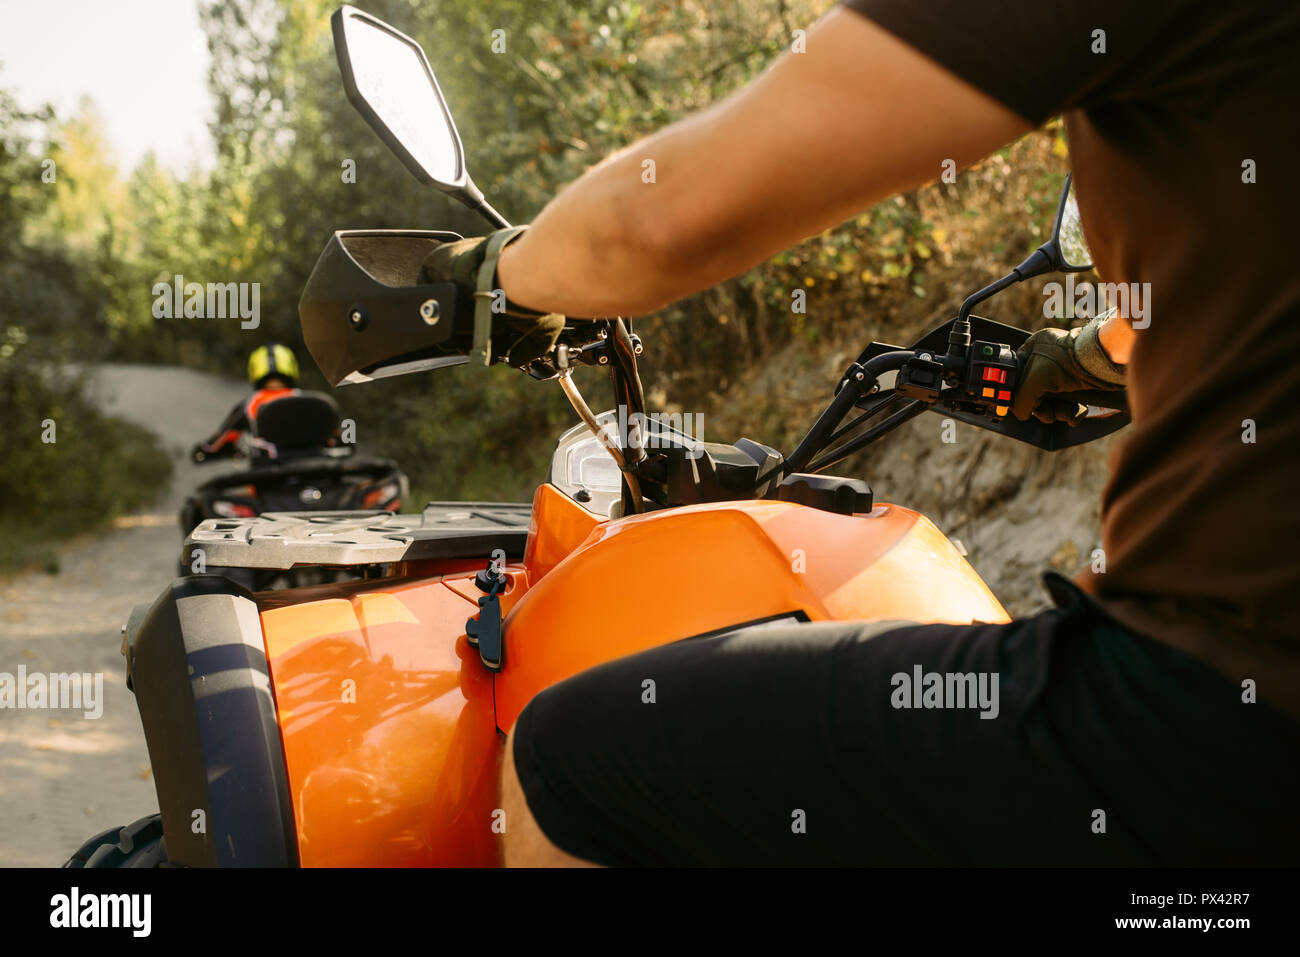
[
  {"x": 849, "y": 393},
  {"x": 199, "y": 455},
  {"x": 974, "y": 385}
]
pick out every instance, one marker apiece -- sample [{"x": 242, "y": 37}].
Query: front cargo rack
[{"x": 284, "y": 539}]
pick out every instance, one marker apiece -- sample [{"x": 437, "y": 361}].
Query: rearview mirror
[
  {"x": 1065, "y": 251},
  {"x": 388, "y": 79},
  {"x": 1067, "y": 247}
]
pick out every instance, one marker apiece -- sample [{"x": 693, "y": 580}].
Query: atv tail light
[{"x": 233, "y": 509}]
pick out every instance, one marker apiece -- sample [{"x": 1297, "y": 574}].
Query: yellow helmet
[{"x": 273, "y": 361}]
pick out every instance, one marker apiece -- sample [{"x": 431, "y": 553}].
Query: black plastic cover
[
  {"x": 198, "y": 668},
  {"x": 361, "y": 310},
  {"x": 830, "y": 493},
  {"x": 296, "y": 422}
]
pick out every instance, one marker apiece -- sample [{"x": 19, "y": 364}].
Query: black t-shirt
[{"x": 1201, "y": 516}]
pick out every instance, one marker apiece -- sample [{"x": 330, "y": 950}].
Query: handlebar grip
[{"x": 1103, "y": 398}]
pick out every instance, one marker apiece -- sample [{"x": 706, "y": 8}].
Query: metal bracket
[{"x": 484, "y": 632}]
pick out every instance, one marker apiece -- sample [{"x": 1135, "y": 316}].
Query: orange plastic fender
[
  {"x": 388, "y": 728},
  {"x": 692, "y": 570},
  {"x": 559, "y": 525},
  {"x": 387, "y": 714}
]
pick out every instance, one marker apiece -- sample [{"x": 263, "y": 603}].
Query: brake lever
[{"x": 1116, "y": 399}]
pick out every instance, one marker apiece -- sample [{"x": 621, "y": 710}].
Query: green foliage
[
  {"x": 97, "y": 468},
  {"x": 574, "y": 82},
  {"x": 50, "y": 309},
  {"x": 577, "y": 79}
]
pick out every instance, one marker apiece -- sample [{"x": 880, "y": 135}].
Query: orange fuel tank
[
  {"x": 702, "y": 568},
  {"x": 392, "y": 726}
]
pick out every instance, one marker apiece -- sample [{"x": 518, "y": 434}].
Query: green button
[{"x": 988, "y": 350}]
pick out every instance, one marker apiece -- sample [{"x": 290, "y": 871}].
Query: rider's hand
[
  {"x": 518, "y": 334},
  {"x": 1053, "y": 361}
]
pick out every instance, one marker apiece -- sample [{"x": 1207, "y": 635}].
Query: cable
[
  {"x": 819, "y": 435},
  {"x": 584, "y": 412},
  {"x": 834, "y": 456}
]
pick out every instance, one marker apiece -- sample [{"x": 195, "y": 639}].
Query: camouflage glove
[
  {"x": 1053, "y": 361},
  {"x": 488, "y": 327}
]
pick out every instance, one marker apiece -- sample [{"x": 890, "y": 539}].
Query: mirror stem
[
  {"x": 959, "y": 337},
  {"x": 484, "y": 209},
  {"x": 472, "y": 197}
]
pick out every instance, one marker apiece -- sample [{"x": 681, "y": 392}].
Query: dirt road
[{"x": 65, "y": 776}]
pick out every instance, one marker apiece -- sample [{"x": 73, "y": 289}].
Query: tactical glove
[
  {"x": 1053, "y": 361},
  {"x": 488, "y": 327}
]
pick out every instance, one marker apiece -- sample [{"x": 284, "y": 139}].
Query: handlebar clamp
[{"x": 857, "y": 377}]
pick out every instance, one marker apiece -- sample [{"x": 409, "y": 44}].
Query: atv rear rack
[{"x": 282, "y": 540}]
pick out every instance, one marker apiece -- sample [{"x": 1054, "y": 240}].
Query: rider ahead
[{"x": 273, "y": 373}]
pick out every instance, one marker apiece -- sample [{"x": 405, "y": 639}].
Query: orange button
[
  {"x": 1001, "y": 410},
  {"x": 988, "y": 393}
]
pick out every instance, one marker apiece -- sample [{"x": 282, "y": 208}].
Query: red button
[
  {"x": 990, "y": 374},
  {"x": 1002, "y": 375},
  {"x": 1004, "y": 396}
]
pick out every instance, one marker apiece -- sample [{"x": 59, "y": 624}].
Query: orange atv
[{"x": 362, "y": 723}]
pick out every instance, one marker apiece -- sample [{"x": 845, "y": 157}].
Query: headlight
[{"x": 589, "y": 465}]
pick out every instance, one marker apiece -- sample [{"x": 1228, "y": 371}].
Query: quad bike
[
  {"x": 362, "y": 723},
  {"x": 295, "y": 464}
]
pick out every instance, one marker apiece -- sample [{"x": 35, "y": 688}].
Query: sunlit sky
[{"x": 143, "y": 62}]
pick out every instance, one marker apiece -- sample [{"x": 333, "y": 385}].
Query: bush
[{"x": 97, "y": 467}]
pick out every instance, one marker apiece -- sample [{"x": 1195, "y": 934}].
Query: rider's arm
[
  {"x": 822, "y": 135},
  {"x": 235, "y": 424},
  {"x": 1116, "y": 336}
]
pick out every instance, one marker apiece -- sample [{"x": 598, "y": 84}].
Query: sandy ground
[{"x": 63, "y": 776}]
